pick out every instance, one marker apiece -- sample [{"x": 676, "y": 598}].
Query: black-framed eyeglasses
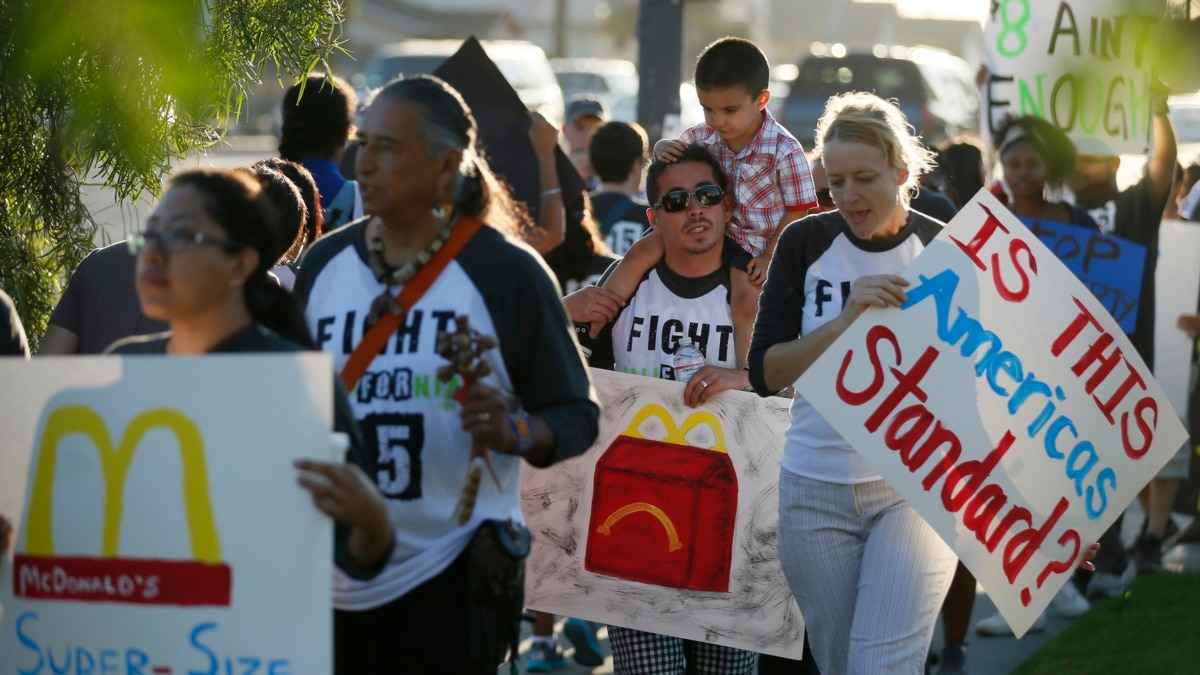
[
  {"x": 174, "y": 241},
  {"x": 678, "y": 200}
]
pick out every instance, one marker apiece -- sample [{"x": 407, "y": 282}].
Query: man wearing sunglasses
[{"x": 685, "y": 296}]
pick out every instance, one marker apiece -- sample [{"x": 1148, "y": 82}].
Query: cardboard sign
[
  {"x": 504, "y": 126},
  {"x": 159, "y": 525},
  {"x": 1082, "y": 65},
  {"x": 1003, "y": 402},
  {"x": 1111, "y": 267},
  {"x": 1177, "y": 287},
  {"x": 667, "y": 524}
]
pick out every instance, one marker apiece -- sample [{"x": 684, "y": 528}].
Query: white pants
[{"x": 868, "y": 573}]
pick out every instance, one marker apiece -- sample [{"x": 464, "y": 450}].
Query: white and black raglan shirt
[
  {"x": 815, "y": 265},
  {"x": 665, "y": 309},
  {"x": 410, "y": 422}
]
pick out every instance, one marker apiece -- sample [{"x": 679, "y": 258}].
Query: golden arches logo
[
  {"x": 40, "y": 574},
  {"x": 677, "y": 434},
  {"x": 114, "y": 464},
  {"x": 673, "y": 542}
]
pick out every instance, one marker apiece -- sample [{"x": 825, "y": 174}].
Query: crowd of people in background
[{"x": 726, "y": 226}]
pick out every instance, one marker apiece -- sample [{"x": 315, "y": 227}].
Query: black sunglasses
[
  {"x": 174, "y": 241},
  {"x": 678, "y": 200}
]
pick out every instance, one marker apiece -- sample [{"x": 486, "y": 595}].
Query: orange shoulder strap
[{"x": 373, "y": 342}]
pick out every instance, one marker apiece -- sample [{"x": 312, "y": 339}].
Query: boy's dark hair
[
  {"x": 319, "y": 122},
  {"x": 614, "y": 147},
  {"x": 732, "y": 62},
  {"x": 691, "y": 153}
]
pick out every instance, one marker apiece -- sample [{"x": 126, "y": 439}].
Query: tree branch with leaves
[{"x": 115, "y": 91}]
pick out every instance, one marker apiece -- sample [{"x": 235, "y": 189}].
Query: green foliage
[{"x": 115, "y": 90}]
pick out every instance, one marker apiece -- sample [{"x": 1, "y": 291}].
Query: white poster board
[
  {"x": 1176, "y": 285},
  {"x": 1082, "y": 64},
  {"x": 665, "y": 538},
  {"x": 1003, "y": 403},
  {"x": 159, "y": 525}
]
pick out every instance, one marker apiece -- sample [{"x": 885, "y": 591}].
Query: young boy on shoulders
[{"x": 766, "y": 167}]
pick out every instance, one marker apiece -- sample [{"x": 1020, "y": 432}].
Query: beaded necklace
[{"x": 392, "y": 276}]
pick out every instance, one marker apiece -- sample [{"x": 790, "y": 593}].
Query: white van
[{"x": 523, "y": 64}]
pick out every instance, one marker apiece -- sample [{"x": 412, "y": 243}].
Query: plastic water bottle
[{"x": 687, "y": 360}]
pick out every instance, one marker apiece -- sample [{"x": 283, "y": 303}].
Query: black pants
[{"x": 427, "y": 630}]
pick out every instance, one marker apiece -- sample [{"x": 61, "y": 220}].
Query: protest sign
[
  {"x": 1111, "y": 267},
  {"x": 1085, "y": 66},
  {"x": 667, "y": 524},
  {"x": 159, "y": 525},
  {"x": 1177, "y": 285},
  {"x": 1003, "y": 402}
]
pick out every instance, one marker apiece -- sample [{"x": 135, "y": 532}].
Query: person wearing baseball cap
[{"x": 584, "y": 113}]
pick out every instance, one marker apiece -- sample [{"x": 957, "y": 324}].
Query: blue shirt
[{"x": 325, "y": 173}]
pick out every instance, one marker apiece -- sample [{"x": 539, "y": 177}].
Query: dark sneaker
[
  {"x": 1190, "y": 534},
  {"x": 1147, "y": 555},
  {"x": 582, "y": 635},
  {"x": 545, "y": 657},
  {"x": 953, "y": 660}
]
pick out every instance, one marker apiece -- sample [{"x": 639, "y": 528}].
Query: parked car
[
  {"x": 523, "y": 64},
  {"x": 613, "y": 80},
  {"x": 616, "y": 81},
  {"x": 935, "y": 89}
]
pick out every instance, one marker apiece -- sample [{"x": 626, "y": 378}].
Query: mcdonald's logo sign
[
  {"x": 40, "y": 574},
  {"x": 664, "y": 512}
]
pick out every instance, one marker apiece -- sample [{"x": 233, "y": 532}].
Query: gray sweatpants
[{"x": 868, "y": 573}]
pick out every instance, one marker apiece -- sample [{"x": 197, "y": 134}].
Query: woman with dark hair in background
[
  {"x": 202, "y": 268},
  {"x": 314, "y": 222},
  {"x": 1037, "y": 157},
  {"x": 291, "y": 213},
  {"x": 442, "y": 223}
]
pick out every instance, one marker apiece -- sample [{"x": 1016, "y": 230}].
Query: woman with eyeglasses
[{"x": 202, "y": 268}]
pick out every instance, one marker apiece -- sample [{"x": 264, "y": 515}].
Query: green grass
[{"x": 1153, "y": 628}]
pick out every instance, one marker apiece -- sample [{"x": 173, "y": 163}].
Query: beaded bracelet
[{"x": 522, "y": 432}]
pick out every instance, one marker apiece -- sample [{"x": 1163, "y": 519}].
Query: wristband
[
  {"x": 522, "y": 432},
  {"x": 551, "y": 192}
]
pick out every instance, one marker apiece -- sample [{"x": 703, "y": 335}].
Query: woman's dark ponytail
[{"x": 272, "y": 306}]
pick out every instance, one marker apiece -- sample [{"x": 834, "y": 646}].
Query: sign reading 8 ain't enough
[{"x": 159, "y": 525}]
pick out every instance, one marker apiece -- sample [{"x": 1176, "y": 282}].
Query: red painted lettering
[
  {"x": 875, "y": 335},
  {"x": 1021, "y": 291},
  {"x": 965, "y": 479},
  {"x": 972, "y": 248},
  {"x": 982, "y": 509},
  {"x": 906, "y": 383},
  {"x": 1146, "y": 427},
  {"x": 1023, "y": 544},
  {"x": 1084, "y": 318}
]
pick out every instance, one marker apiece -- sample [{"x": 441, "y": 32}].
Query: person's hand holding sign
[{"x": 880, "y": 290}]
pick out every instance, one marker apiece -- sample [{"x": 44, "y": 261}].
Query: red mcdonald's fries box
[{"x": 663, "y": 513}]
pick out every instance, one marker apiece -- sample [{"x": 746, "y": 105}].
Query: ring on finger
[{"x": 704, "y": 383}]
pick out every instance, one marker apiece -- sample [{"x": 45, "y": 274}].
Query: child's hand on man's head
[{"x": 668, "y": 150}]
